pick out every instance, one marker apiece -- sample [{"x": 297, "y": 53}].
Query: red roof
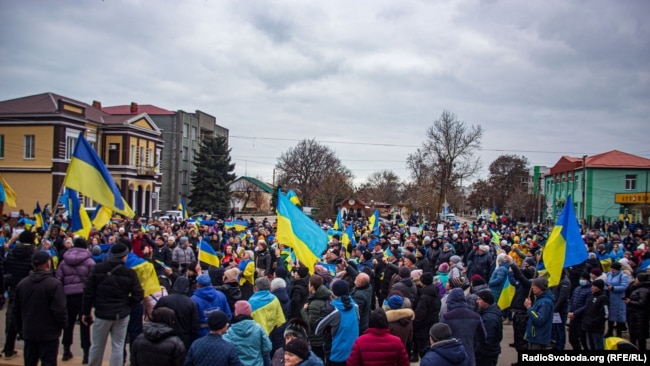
[
  {"x": 139, "y": 108},
  {"x": 611, "y": 159}
]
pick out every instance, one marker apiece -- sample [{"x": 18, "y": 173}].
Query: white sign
[
  {"x": 414, "y": 229},
  {"x": 441, "y": 227},
  {"x": 549, "y": 203},
  {"x": 549, "y": 209}
]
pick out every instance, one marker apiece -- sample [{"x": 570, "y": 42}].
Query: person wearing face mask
[{"x": 577, "y": 306}]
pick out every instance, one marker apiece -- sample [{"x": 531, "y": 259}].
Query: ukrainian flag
[
  {"x": 266, "y": 310},
  {"x": 338, "y": 224},
  {"x": 207, "y": 255},
  {"x": 38, "y": 215},
  {"x": 496, "y": 239},
  {"x": 299, "y": 232},
  {"x": 373, "y": 222},
  {"x": 146, "y": 273},
  {"x": 493, "y": 216},
  {"x": 237, "y": 225},
  {"x": 247, "y": 272},
  {"x": 79, "y": 220},
  {"x": 565, "y": 247},
  {"x": 183, "y": 207},
  {"x": 7, "y": 194},
  {"x": 348, "y": 239},
  {"x": 101, "y": 216},
  {"x": 506, "y": 296},
  {"x": 291, "y": 195},
  {"x": 88, "y": 174}
]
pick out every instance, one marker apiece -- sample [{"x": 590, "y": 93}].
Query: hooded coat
[
  {"x": 446, "y": 353},
  {"x": 207, "y": 300},
  {"x": 427, "y": 312},
  {"x": 540, "y": 319},
  {"x": 619, "y": 283},
  {"x": 250, "y": 339},
  {"x": 400, "y": 323},
  {"x": 465, "y": 324},
  {"x": 377, "y": 347},
  {"x": 74, "y": 270},
  {"x": 493, "y": 323},
  {"x": 18, "y": 264},
  {"x": 157, "y": 345},
  {"x": 316, "y": 310},
  {"x": 187, "y": 313},
  {"x": 40, "y": 307},
  {"x": 299, "y": 293},
  {"x": 406, "y": 287},
  {"x": 277, "y": 335},
  {"x": 637, "y": 310},
  {"x": 343, "y": 325}
]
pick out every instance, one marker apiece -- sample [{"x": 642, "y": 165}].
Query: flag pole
[{"x": 55, "y": 211}]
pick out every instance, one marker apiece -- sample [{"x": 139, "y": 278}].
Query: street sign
[{"x": 549, "y": 210}]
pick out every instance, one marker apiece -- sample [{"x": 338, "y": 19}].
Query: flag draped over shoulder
[
  {"x": 79, "y": 221},
  {"x": 207, "y": 255},
  {"x": 88, "y": 175},
  {"x": 237, "y": 225},
  {"x": 299, "y": 232},
  {"x": 565, "y": 247},
  {"x": 373, "y": 222},
  {"x": 145, "y": 272},
  {"x": 507, "y": 294},
  {"x": 266, "y": 310},
  {"x": 7, "y": 194}
]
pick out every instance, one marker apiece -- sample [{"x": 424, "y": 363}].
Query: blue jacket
[
  {"x": 343, "y": 324},
  {"x": 540, "y": 319},
  {"x": 446, "y": 353},
  {"x": 498, "y": 278},
  {"x": 253, "y": 345},
  {"x": 212, "y": 350},
  {"x": 617, "y": 306},
  {"x": 466, "y": 325},
  {"x": 207, "y": 300},
  {"x": 579, "y": 298}
]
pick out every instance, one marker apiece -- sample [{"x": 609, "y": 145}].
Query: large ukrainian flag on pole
[
  {"x": 79, "y": 220},
  {"x": 88, "y": 174},
  {"x": 7, "y": 194},
  {"x": 299, "y": 232},
  {"x": 373, "y": 222},
  {"x": 565, "y": 247},
  {"x": 207, "y": 255}
]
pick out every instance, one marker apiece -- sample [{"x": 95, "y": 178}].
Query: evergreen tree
[{"x": 213, "y": 174}]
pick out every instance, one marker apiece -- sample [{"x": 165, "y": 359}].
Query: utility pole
[{"x": 584, "y": 185}]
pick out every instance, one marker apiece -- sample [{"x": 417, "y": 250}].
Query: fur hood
[{"x": 398, "y": 314}]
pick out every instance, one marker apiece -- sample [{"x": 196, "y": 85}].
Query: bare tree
[
  {"x": 383, "y": 186},
  {"x": 333, "y": 189},
  {"x": 306, "y": 167},
  {"x": 509, "y": 183},
  {"x": 479, "y": 196}
]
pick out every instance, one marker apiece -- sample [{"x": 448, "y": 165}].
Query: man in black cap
[
  {"x": 299, "y": 290},
  {"x": 212, "y": 349},
  {"x": 540, "y": 315},
  {"x": 40, "y": 313},
  {"x": 112, "y": 289},
  {"x": 487, "y": 352},
  {"x": 17, "y": 266},
  {"x": 596, "y": 315},
  {"x": 444, "y": 350}
]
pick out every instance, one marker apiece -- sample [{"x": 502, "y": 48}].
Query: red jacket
[{"x": 377, "y": 347}]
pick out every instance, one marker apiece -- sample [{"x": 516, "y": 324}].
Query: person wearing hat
[
  {"x": 400, "y": 319},
  {"x": 487, "y": 352},
  {"x": 40, "y": 312},
  {"x": 17, "y": 265},
  {"x": 540, "y": 315},
  {"x": 183, "y": 254},
  {"x": 577, "y": 305},
  {"x": 476, "y": 284},
  {"x": 73, "y": 272},
  {"x": 444, "y": 255},
  {"x": 616, "y": 284},
  {"x": 637, "y": 310},
  {"x": 187, "y": 314},
  {"x": 299, "y": 291},
  {"x": 465, "y": 324},
  {"x": 112, "y": 289},
  {"x": 342, "y": 324},
  {"x": 230, "y": 287},
  {"x": 252, "y": 343},
  {"x": 213, "y": 349},
  {"x": 318, "y": 305},
  {"x": 262, "y": 259},
  {"x": 405, "y": 285},
  {"x": 208, "y": 300},
  {"x": 296, "y": 352},
  {"x": 159, "y": 344},
  {"x": 296, "y": 329},
  {"x": 427, "y": 313},
  {"x": 445, "y": 350},
  {"x": 377, "y": 346},
  {"x": 481, "y": 262},
  {"x": 596, "y": 314}
]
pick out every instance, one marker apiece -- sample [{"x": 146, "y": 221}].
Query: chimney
[
  {"x": 134, "y": 107},
  {"x": 97, "y": 104}
]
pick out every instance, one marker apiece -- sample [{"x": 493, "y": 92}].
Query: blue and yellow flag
[
  {"x": 338, "y": 224},
  {"x": 237, "y": 225},
  {"x": 293, "y": 198},
  {"x": 88, "y": 175},
  {"x": 373, "y": 222},
  {"x": 101, "y": 216},
  {"x": 7, "y": 194},
  {"x": 38, "y": 215},
  {"x": 79, "y": 221},
  {"x": 207, "y": 255},
  {"x": 266, "y": 310},
  {"x": 348, "y": 239},
  {"x": 146, "y": 273},
  {"x": 183, "y": 207},
  {"x": 565, "y": 247},
  {"x": 298, "y": 231},
  {"x": 507, "y": 294}
]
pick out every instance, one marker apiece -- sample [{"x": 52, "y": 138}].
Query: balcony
[{"x": 146, "y": 170}]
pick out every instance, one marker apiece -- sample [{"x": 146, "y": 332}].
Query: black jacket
[
  {"x": 596, "y": 313},
  {"x": 18, "y": 264},
  {"x": 232, "y": 292},
  {"x": 638, "y": 309},
  {"x": 187, "y": 313},
  {"x": 263, "y": 261},
  {"x": 299, "y": 293},
  {"x": 493, "y": 323},
  {"x": 157, "y": 345},
  {"x": 362, "y": 296},
  {"x": 40, "y": 307},
  {"x": 427, "y": 312},
  {"x": 562, "y": 294},
  {"x": 112, "y": 289}
]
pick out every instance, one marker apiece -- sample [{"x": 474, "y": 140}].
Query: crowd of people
[{"x": 408, "y": 292}]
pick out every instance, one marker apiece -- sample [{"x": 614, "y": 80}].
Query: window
[
  {"x": 141, "y": 156},
  {"x": 70, "y": 142},
  {"x": 2, "y": 146},
  {"x": 149, "y": 157},
  {"x": 132, "y": 156},
  {"x": 185, "y": 129},
  {"x": 630, "y": 182},
  {"x": 185, "y": 153},
  {"x": 193, "y": 133},
  {"x": 28, "y": 148}
]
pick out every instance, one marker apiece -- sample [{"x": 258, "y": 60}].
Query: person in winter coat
[
  {"x": 73, "y": 272},
  {"x": 299, "y": 291},
  {"x": 230, "y": 287},
  {"x": 577, "y": 306},
  {"x": 377, "y": 347},
  {"x": 487, "y": 352},
  {"x": 342, "y": 324},
  {"x": 500, "y": 275},
  {"x": 250, "y": 339},
  {"x": 540, "y": 315},
  {"x": 443, "y": 275},
  {"x": 314, "y": 310},
  {"x": 481, "y": 263},
  {"x": 477, "y": 284},
  {"x": 444, "y": 350},
  {"x": 262, "y": 259},
  {"x": 465, "y": 324},
  {"x": 296, "y": 328},
  {"x": 400, "y": 319},
  {"x": 39, "y": 313},
  {"x": 207, "y": 300},
  {"x": 427, "y": 313},
  {"x": 186, "y": 311},
  {"x": 213, "y": 349},
  {"x": 616, "y": 284},
  {"x": 362, "y": 296},
  {"x": 456, "y": 268},
  {"x": 638, "y": 305},
  {"x": 297, "y": 353},
  {"x": 405, "y": 285},
  {"x": 279, "y": 289},
  {"x": 596, "y": 315},
  {"x": 158, "y": 344},
  {"x": 445, "y": 255},
  {"x": 522, "y": 280},
  {"x": 562, "y": 293}
]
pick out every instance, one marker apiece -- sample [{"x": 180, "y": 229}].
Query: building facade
[
  {"x": 608, "y": 186},
  {"x": 38, "y": 134}
]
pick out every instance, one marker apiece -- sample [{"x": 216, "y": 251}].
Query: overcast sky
[{"x": 543, "y": 78}]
